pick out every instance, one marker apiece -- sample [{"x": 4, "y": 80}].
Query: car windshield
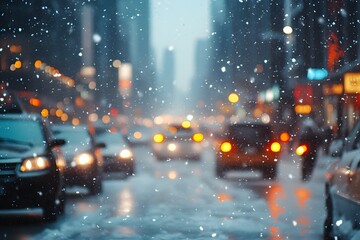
[
  {"x": 21, "y": 132},
  {"x": 187, "y": 70},
  {"x": 111, "y": 138},
  {"x": 250, "y": 133},
  {"x": 73, "y": 136}
]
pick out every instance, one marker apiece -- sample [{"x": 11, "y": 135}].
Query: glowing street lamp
[
  {"x": 233, "y": 98},
  {"x": 287, "y": 30}
]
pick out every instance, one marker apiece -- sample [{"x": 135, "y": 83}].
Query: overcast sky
[{"x": 178, "y": 24}]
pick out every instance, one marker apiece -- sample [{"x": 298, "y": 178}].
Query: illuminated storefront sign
[{"x": 352, "y": 83}]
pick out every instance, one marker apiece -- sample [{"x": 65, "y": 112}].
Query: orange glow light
[
  {"x": 198, "y": 137},
  {"x": 15, "y": 48},
  {"x": 222, "y": 197},
  {"x": 284, "y": 137},
  {"x": 59, "y": 113},
  {"x": 44, "y": 113},
  {"x": 64, "y": 117},
  {"x": 137, "y": 135},
  {"x": 275, "y": 147},
  {"x": 18, "y": 64},
  {"x": 106, "y": 119},
  {"x": 35, "y": 102},
  {"x": 233, "y": 98},
  {"x": 75, "y": 121},
  {"x": 37, "y": 64},
  {"x": 158, "y": 138},
  {"x": 225, "y": 147},
  {"x": 303, "y": 109},
  {"x": 301, "y": 150},
  {"x": 172, "y": 175},
  {"x": 186, "y": 124}
]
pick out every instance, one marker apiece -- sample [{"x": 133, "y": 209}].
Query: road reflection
[
  {"x": 274, "y": 194},
  {"x": 284, "y": 203},
  {"x": 125, "y": 202}
]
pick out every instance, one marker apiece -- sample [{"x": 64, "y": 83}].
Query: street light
[
  {"x": 233, "y": 98},
  {"x": 287, "y": 30}
]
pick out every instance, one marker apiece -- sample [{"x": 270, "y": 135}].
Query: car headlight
[
  {"x": 158, "y": 138},
  {"x": 34, "y": 164},
  {"x": 83, "y": 159},
  {"x": 126, "y": 153}
]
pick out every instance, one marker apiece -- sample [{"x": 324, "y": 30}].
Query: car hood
[
  {"x": 112, "y": 149},
  {"x": 71, "y": 150},
  {"x": 20, "y": 152}
]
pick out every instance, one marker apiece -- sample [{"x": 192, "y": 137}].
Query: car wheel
[
  {"x": 131, "y": 171},
  {"x": 95, "y": 187},
  {"x": 219, "y": 171},
  {"x": 61, "y": 205},
  {"x": 328, "y": 223},
  {"x": 270, "y": 173},
  {"x": 50, "y": 212}
]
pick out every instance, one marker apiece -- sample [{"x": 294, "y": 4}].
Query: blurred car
[
  {"x": 9, "y": 103},
  {"x": 31, "y": 166},
  {"x": 342, "y": 195},
  {"x": 83, "y": 156},
  {"x": 178, "y": 141},
  {"x": 139, "y": 135},
  {"x": 118, "y": 156},
  {"x": 250, "y": 146}
]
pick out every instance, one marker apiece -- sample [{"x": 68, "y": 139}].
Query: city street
[{"x": 182, "y": 199}]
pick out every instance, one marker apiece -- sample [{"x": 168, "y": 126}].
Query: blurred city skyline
[{"x": 177, "y": 26}]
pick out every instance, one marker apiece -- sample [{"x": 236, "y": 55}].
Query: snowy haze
[{"x": 178, "y": 25}]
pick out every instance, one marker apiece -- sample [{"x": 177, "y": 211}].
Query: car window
[
  {"x": 111, "y": 138},
  {"x": 74, "y": 136},
  {"x": 250, "y": 133},
  {"x": 26, "y": 131}
]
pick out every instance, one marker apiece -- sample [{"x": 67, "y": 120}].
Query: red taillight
[
  {"x": 225, "y": 147},
  {"x": 275, "y": 147},
  {"x": 301, "y": 150}
]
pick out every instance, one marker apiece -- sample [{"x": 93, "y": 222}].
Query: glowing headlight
[
  {"x": 126, "y": 153},
  {"x": 34, "y": 164},
  {"x": 171, "y": 147},
  {"x": 84, "y": 159}
]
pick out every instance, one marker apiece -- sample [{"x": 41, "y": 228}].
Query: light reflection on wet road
[{"x": 184, "y": 199}]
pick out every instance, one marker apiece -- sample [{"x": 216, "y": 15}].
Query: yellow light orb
[{"x": 233, "y": 98}]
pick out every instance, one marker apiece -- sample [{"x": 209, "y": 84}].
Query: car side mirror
[
  {"x": 57, "y": 142},
  {"x": 100, "y": 145},
  {"x": 336, "y": 148}
]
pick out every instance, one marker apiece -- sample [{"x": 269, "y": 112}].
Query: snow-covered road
[{"x": 181, "y": 199}]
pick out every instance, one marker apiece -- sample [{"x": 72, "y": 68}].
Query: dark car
[
  {"x": 83, "y": 157},
  {"x": 178, "y": 141},
  {"x": 250, "y": 146},
  {"x": 342, "y": 188},
  {"x": 118, "y": 156},
  {"x": 31, "y": 166}
]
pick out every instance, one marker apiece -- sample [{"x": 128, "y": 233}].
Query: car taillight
[
  {"x": 225, "y": 147},
  {"x": 198, "y": 137},
  {"x": 301, "y": 150},
  {"x": 275, "y": 147},
  {"x": 285, "y": 137},
  {"x": 158, "y": 138}
]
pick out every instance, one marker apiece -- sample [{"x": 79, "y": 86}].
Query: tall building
[
  {"x": 219, "y": 82},
  {"x": 165, "y": 85},
  {"x": 44, "y": 31},
  {"x": 134, "y": 43},
  {"x": 199, "y": 94}
]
